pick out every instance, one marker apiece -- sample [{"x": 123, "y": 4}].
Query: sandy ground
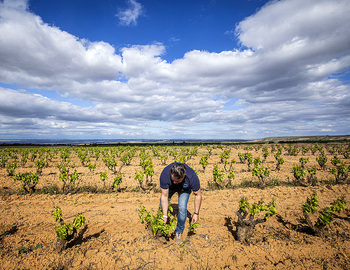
[{"x": 116, "y": 239}]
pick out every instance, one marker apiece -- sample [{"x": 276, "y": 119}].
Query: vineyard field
[{"x": 109, "y": 183}]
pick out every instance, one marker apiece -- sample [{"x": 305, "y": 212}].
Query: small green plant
[
  {"x": 111, "y": 164},
  {"x": 29, "y": 180},
  {"x": 245, "y": 226},
  {"x": 280, "y": 161},
  {"x": 63, "y": 168},
  {"x": 231, "y": 176},
  {"x": 304, "y": 177},
  {"x": 68, "y": 179},
  {"x": 204, "y": 162},
  {"x": 66, "y": 232},
  {"x": 241, "y": 158},
  {"x": 225, "y": 156},
  {"x": 303, "y": 161},
  {"x": 10, "y": 167},
  {"x": 24, "y": 160},
  {"x": 335, "y": 161},
  {"x": 210, "y": 149},
  {"x": 311, "y": 204},
  {"x": 193, "y": 226},
  {"x": 146, "y": 184},
  {"x": 220, "y": 179},
  {"x": 233, "y": 161},
  {"x": 262, "y": 173},
  {"x": 277, "y": 155},
  {"x": 299, "y": 174},
  {"x": 116, "y": 182},
  {"x": 265, "y": 154},
  {"x": 156, "y": 222},
  {"x": 249, "y": 159},
  {"x": 311, "y": 178},
  {"x": 103, "y": 177},
  {"x": 126, "y": 159},
  {"x": 341, "y": 173},
  {"x": 65, "y": 155},
  {"x": 3, "y": 159},
  {"x": 322, "y": 160},
  {"x": 257, "y": 161},
  {"x": 293, "y": 151},
  {"x": 163, "y": 158},
  {"x": 325, "y": 215},
  {"x": 40, "y": 164},
  {"x": 91, "y": 167}
]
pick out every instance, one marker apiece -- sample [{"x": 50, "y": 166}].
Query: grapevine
[
  {"x": 156, "y": 222},
  {"x": 325, "y": 215},
  {"x": 66, "y": 232},
  {"x": 246, "y": 225}
]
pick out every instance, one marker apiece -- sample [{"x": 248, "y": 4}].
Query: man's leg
[{"x": 182, "y": 214}]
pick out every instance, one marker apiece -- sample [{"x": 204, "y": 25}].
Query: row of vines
[{"x": 137, "y": 168}]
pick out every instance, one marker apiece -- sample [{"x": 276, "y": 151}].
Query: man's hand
[
  {"x": 197, "y": 205},
  {"x": 195, "y": 218}
]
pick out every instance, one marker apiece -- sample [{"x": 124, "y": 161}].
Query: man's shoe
[{"x": 178, "y": 238}]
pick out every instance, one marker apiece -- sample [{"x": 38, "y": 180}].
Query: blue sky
[
  {"x": 181, "y": 26},
  {"x": 152, "y": 69}
]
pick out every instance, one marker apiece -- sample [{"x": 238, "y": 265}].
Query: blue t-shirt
[{"x": 190, "y": 182}]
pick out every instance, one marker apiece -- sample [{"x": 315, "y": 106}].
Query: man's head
[{"x": 178, "y": 173}]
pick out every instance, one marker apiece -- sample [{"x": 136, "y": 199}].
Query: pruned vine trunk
[
  {"x": 318, "y": 230},
  {"x": 245, "y": 227},
  {"x": 147, "y": 185},
  {"x": 223, "y": 184}
]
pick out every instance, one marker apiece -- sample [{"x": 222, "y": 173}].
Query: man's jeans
[{"x": 182, "y": 215}]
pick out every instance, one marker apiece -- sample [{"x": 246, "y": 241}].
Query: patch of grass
[
  {"x": 329, "y": 181},
  {"x": 275, "y": 182},
  {"x": 7, "y": 191},
  {"x": 89, "y": 189},
  {"x": 136, "y": 189},
  {"x": 247, "y": 183},
  {"x": 50, "y": 190},
  {"x": 213, "y": 186},
  {"x": 23, "y": 250}
]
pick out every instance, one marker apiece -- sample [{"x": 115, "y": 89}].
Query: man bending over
[{"x": 180, "y": 178}]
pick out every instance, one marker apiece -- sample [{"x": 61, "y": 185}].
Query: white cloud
[
  {"x": 283, "y": 23},
  {"x": 25, "y": 105},
  {"x": 130, "y": 15},
  {"x": 16, "y": 4},
  {"x": 280, "y": 83},
  {"x": 39, "y": 55}
]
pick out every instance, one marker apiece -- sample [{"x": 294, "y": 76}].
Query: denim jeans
[{"x": 182, "y": 214}]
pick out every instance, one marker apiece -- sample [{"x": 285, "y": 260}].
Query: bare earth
[{"x": 116, "y": 239}]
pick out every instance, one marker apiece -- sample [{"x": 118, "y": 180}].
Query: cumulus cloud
[
  {"x": 21, "y": 104},
  {"x": 130, "y": 15},
  {"x": 287, "y": 25},
  {"x": 280, "y": 83},
  {"x": 39, "y": 55}
]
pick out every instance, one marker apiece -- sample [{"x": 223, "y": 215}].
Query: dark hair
[{"x": 178, "y": 170}]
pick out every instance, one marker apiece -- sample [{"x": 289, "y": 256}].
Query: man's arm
[
  {"x": 164, "y": 201},
  {"x": 197, "y": 205}
]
